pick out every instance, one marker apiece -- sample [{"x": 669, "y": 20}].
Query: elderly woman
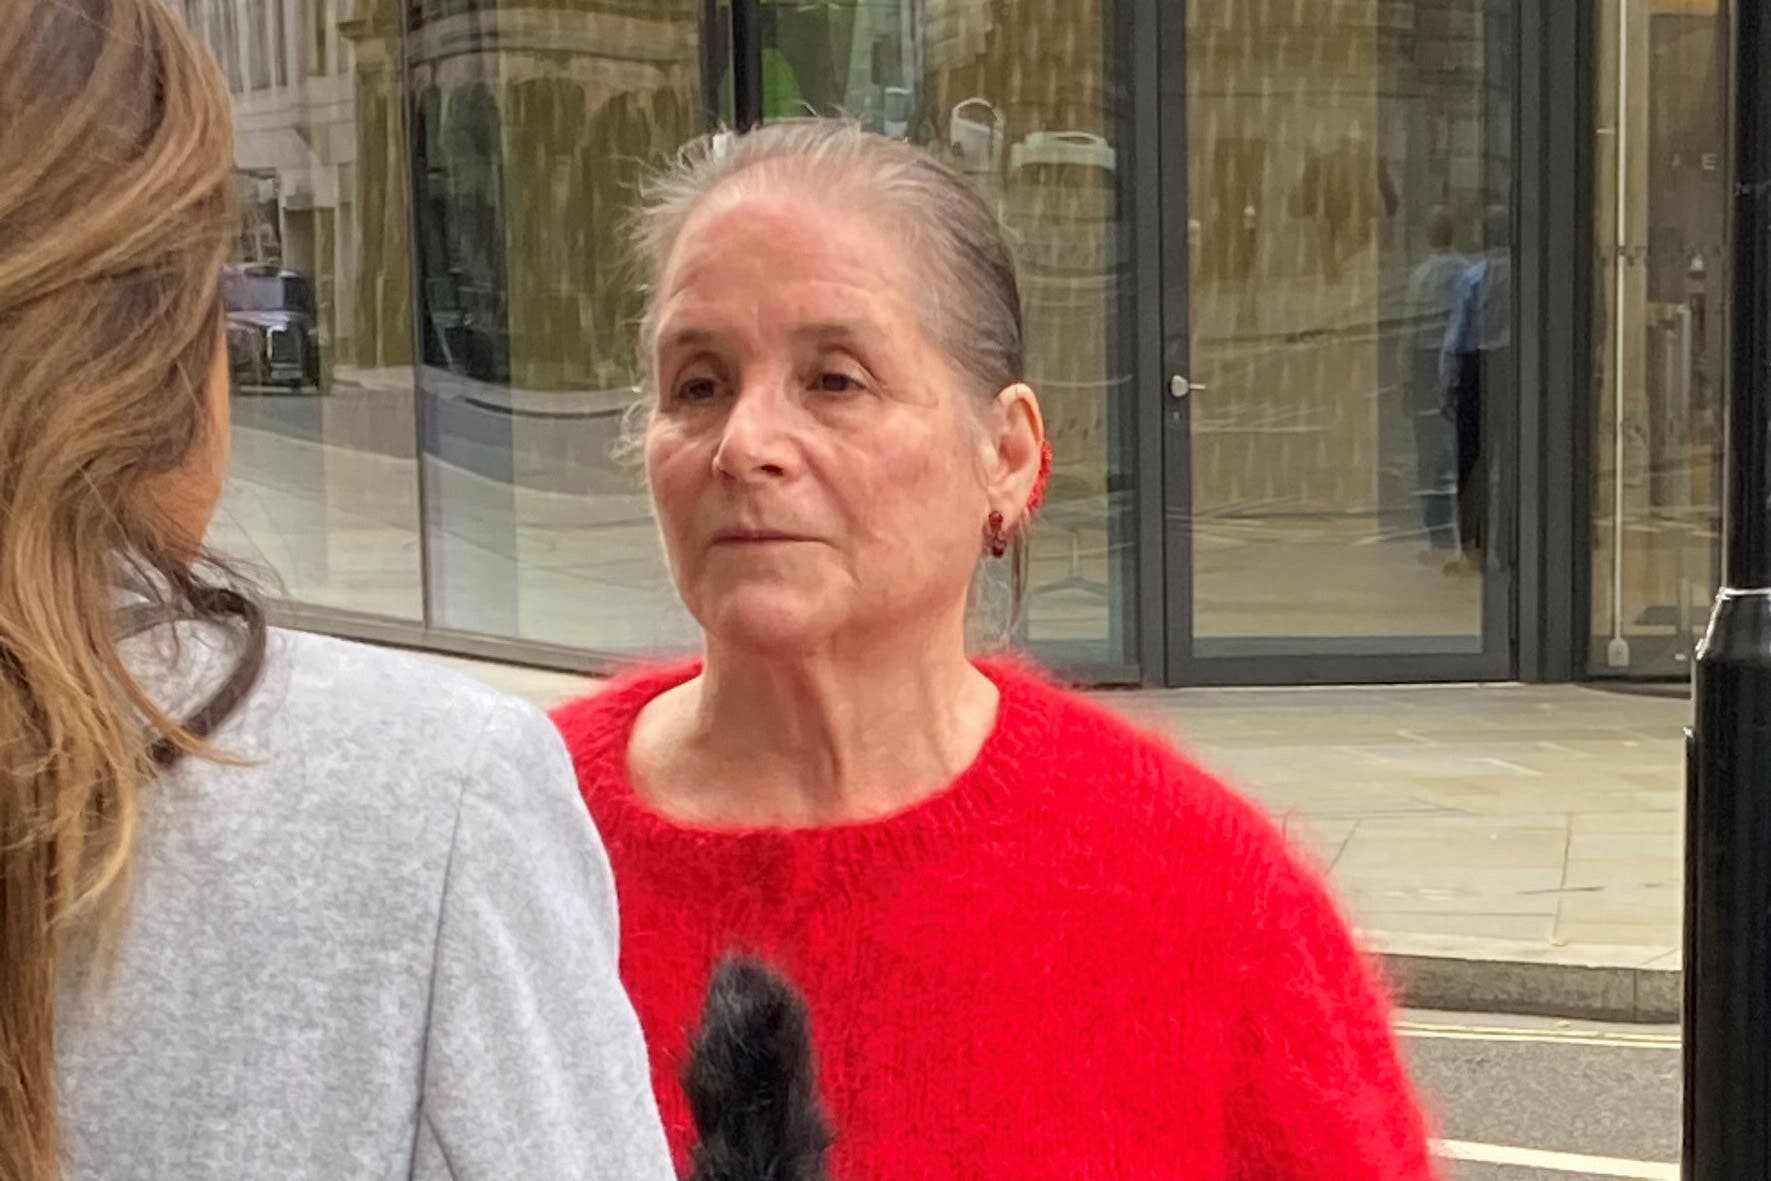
[{"x": 1035, "y": 942}]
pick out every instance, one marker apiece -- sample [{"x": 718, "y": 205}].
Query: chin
[{"x": 772, "y": 620}]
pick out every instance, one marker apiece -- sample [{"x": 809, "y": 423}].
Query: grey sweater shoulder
[{"x": 384, "y": 946}]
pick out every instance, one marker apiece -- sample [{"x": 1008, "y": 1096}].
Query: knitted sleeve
[{"x": 1319, "y": 1092}]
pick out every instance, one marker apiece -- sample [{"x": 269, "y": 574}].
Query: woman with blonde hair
[{"x": 270, "y": 905}]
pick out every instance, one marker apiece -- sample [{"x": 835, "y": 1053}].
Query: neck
[{"x": 835, "y": 736}]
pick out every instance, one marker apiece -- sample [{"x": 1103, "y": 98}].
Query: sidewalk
[{"x": 1504, "y": 847}]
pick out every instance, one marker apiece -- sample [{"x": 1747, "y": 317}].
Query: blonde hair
[{"x": 116, "y": 158}]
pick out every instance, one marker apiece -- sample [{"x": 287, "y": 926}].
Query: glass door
[
  {"x": 1659, "y": 290},
  {"x": 1339, "y": 328}
]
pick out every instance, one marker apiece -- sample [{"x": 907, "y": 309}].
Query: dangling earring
[{"x": 995, "y": 534}]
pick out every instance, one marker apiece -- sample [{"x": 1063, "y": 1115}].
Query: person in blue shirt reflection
[
  {"x": 1474, "y": 362},
  {"x": 1432, "y": 294}
]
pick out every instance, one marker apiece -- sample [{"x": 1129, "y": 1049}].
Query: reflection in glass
[
  {"x": 273, "y": 336},
  {"x": 532, "y": 125},
  {"x": 529, "y": 125},
  {"x": 1021, "y": 97},
  {"x": 1659, "y": 296},
  {"x": 322, "y": 492},
  {"x": 1350, "y": 170}
]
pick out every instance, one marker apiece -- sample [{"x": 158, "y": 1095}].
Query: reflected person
[
  {"x": 1032, "y": 938},
  {"x": 1432, "y": 295},
  {"x": 1474, "y": 371},
  {"x": 271, "y": 905}
]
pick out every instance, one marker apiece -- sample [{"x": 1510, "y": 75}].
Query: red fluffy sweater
[{"x": 1082, "y": 959}]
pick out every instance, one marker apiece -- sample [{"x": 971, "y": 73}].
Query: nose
[{"x": 757, "y": 441}]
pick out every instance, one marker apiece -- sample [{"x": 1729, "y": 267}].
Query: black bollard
[{"x": 1728, "y": 789}]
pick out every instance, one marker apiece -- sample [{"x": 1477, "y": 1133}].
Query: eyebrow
[
  {"x": 689, "y": 338},
  {"x": 822, "y": 331},
  {"x": 834, "y": 330}
]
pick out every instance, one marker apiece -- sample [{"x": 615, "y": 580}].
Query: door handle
[{"x": 1179, "y": 387}]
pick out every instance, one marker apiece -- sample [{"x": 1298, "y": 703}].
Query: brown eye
[
  {"x": 695, "y": 389},
  {"x": 832, "y": 382}
]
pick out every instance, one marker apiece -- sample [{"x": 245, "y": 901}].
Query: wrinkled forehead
[
  {"x": 796, "y": 211},
  {"x": 788, "y": 247}
]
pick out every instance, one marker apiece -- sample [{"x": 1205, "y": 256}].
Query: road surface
[{"x": 1526, "y": 1099}]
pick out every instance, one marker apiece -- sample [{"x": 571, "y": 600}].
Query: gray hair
[
  {"x": 973, "y": 308},
  {"x": 974, "y": 312}
]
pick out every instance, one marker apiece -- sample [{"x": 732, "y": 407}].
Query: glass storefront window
[
  {"x": 322, "y": 495},
  {"x": 1660, "y": 308},
  {"x": 433, "y": 309},
  {"x": 532, "y": 124},
  {"x": 1022, "y": 96}
]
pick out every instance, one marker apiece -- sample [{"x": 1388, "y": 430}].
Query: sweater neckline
[{"x": 972, "y": 803}]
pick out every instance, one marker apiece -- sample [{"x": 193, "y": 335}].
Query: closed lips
[{"x": 752, "y": 536}]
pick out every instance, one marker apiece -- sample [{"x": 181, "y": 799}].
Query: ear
[{"x": 1014, "y": 443}]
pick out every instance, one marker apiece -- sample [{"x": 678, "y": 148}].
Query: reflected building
[
  {"x": 533, "y": 124},
  {"x": 319, "y": 145},
  {"x": 1241, "y": 229},
  {"x": 451, "y": 178}
]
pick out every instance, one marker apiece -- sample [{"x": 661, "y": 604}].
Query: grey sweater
[{"x": 384, "y": 949}]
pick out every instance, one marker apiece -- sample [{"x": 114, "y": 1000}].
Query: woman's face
[{"x": 814, "y": 461}]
